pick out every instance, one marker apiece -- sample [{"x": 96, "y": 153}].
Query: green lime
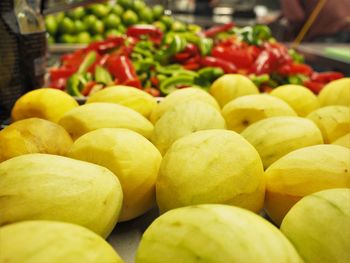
[
  {"x": 146, "y": 15},
  {"x": 59, "y": 17},
  {"x": 121, "y": 28},
  {"x": 112, "y": 33},
  {"x": 157, "y": 11},
  {"x": 76, "y": 13},
  {"x": 66, "y": 26},
  {"x": 178, "y": 26},
  {"x": 99, "y": 10},
  {"x": 160, "y": 25},
  {"x": 67, "y": 38},
  {"x": 138, "y": 5},
  {"x": 130, "y": 18},
  {"x": 125, "y": 3},
  {"x": 167, "y": 20},
  {"x": 97, "y": 37},
  {"x": 79, "y": 26},
  {"x": 50, "y": 40},
  {"x": 51, "y": 24},
  {"x": 83, "y": 37},
  {"x": 90, "y": 20},
  {"x": 112, "y": 21},
  {"x": 97, "y": 28},
  {"x": 117, "y": 9}
]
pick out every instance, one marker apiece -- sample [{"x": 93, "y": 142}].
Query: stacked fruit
[
  {"x": 98, "y": 21},
  {"x": 211, "y": 161}
]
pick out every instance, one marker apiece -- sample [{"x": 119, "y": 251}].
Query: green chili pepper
[
  {"x": 89, "y": 59},
  {"x": 258, "y": 80},
  {"x": 102, "y": 75},
  {"x": 170, "y": 84},
  {"x": 77, "y": 82},
  {"x": 206, "y": 76},
  {"x": 296, "y": 57},
  {"x": 205, "y": 45}
]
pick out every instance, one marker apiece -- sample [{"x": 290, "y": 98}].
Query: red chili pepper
[
  {"x": 62, "y": 72},
  {"x": 314, "y": 86},
  {"x": 88, "y": 87},
  {"x": 226, "y": 66},
  {"x": 154, "y": 33},
  {"x": 326, "y": 77},
  {"x": 109, "y": 43},
  {"x": 122, "y": 69},
  {"x": 295, "y": 68},
  {"x": 154, "y": 92},
  {"x": 241, "y": 57},
  {"x": 270, "y": 59},
  {"x": 191, "y": 66},
  {"x": 218, "y": 29},
  {"x": 154, "y": 80}
]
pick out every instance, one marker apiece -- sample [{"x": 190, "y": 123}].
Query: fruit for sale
[
  {"x": 212, "y": 166},
  {"x": 42, "y": 241},
  {"x": 336, "y": 92},
  {"x": 45, "y": 103},
  {"x": 50, "y": 187},
  {"x": 231, "y": 86},
  {"x": 185, "y": 119},
  {"x": 97, "y": 115},
  {"x": 130, "y": 97},
  {"x": 275, "y": 137},
  {"x": 317, "y": 226},
  {"x": 245, "y": 110},
  {"x": 131, "y": 157},
  {"x": 303, "y": 172},
  {"x": 33, "y": 135},
  {"x": 301, "y": 99},
  {"x": 214, "y": 233},
  {"x": 181, "y": 96},
  {"x": 333, "y": 121},
  {"x": 343, "y": 141}
]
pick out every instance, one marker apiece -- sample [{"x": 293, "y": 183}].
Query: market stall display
[
  {"x": 203, "y": 164},
  {"x": 161, "y": 62},
  {"x": 187, "y": 144}
]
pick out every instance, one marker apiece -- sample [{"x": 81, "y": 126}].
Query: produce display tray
[{"x": 126, "y": 236}]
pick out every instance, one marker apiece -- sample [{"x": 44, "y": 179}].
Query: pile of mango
[{"x": 210, "y": 161}]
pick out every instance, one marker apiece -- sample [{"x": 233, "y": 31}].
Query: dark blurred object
[
  {"x": 332, "y": 23},
  {"x": 22, "y": 52}
]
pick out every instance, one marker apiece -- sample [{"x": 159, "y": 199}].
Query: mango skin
[
  {"x": 131, "y": 157},
  {"x": 213, "y": 233},
  {"x": 211, "y": 166},
  {"x": 185, "y": 119},
  {"x": 275, "y": 137},
  {"x": 49, "y": 187},
  {"x": 45, "y": 103},
  {"x": 301, "y": 99},
  {"x": 181, "y": 96},
  {"x": 343, "y": 141},
  {"x": 336, "y": 92},
  {"x": 41, "y": 241},
  {"x": 131, "y": 97},
  {"x": 230, "y": 86},
  {"x": 318, "y": 226},
  {"x": 93, "y": 116},
  {"x": 333, "y": 121},
  {"x": 243, "y": 111},
  {"x": 33, "y": 135},
  {"x": 303, "y": 172}
]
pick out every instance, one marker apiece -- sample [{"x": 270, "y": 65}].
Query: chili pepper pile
[{"x": 159, "y": 63}]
